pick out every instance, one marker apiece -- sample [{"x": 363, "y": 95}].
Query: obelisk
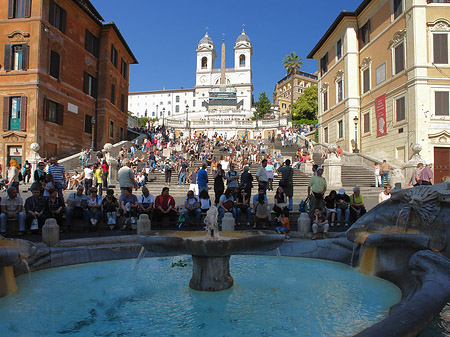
[{"x": 222, "y": 64}]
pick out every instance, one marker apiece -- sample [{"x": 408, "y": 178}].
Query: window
[
  {"x": 88, "y": 124},
  {"x": 177, "y": 99},
  {"x": 124, "y": 69},
  {"x": 400, "y": 109},
  {"x": 177, "y": 108},
  {"x": 57, "y": 16},
  {"x": 366, "y": 80},
  {"x": 283, "y": 105},
  {"x": 340, "y": 93},
  {"x": 366, "y": 120},
  {"x": 324, "y": 64},
  {"x": 114, "y": 56},
  {"x": 339, "y": 49},
  {"x": 242, "y": 61},
  {"x": 325, "y": 131},
  {"x": 441, "y": 103},
  {"x": 341, "y": 129},
  {"x": 19, "y": 9},
  {"x": 113, "y": 93},
  {"x": 121, "y": 133},
  {"x": 440, "y": 48},
  {"x": 399, "y": 57},
  {"x": 90, "y": 85},
  {"x": 204, "y": 62},
  {"x": 111, "y": 129},
  {"x": 54, "y": 64},
  {"x": 16, "y": 57},
  {"x": 14, "y": 113},
  {"x": 325, "y": 100},
  {"x": 53, "y": 112},
  {"x": 381, "y": 73},
  {"x": 122, "y": 102},
  {"x": 91, "y": 43},
  {"x": 398, "y": 8},
  {"x": 193, "y": 104},
  {"x": 364, "y": 35}
]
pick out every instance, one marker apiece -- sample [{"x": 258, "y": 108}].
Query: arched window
[
  {"x": 177, "y": 99},
  {"x": 177, "y": 108},
  {"x": 242, "y": 61},
  {"x": 204, "y": 62}
]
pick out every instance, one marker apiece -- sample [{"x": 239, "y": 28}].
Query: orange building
[{"x": 64, "y": 78}]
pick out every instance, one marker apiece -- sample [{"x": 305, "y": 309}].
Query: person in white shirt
[
  {"x": 261, "y": 176},
  {"x": 386, "y": 194},
  {"x": 146, "y": 202}
]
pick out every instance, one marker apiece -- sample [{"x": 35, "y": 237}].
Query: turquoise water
[{"x": 270, "y": 297}]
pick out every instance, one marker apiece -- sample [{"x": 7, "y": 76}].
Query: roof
[
  {"x": 87, "y": 7},
  {"x": 206, "y": 40},
  {"x": 113, "y": 25},
  {"x": 336, "y": 22},
  {"x": 301, "y": 74},
  {"x": 243, "y": 37}
]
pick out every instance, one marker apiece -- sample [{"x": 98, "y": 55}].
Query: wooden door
[{"x": 441, "y": 163}]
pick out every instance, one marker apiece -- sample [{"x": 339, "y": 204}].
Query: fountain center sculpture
[{"x": 210, "y": 251}]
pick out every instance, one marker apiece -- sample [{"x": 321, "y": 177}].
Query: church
[{"x": 221, "y": 100}]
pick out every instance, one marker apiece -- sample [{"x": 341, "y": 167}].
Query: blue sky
[{"x": 163, "y": 35}]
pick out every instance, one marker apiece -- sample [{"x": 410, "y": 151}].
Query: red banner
[{"x": 380, "y": 113}]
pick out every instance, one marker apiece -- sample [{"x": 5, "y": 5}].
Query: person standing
[
  {"x": 192, "y": 178},
  {"x": 105, "y": 170},
  {"x": 88, "y": 177},
  {"x": 316, "y": 190},
  {"x": 269, "y": 169},
  {"x": 415, "y": 176},
  {"x": 183, "y": 172},
  {"x": 287, "y": 180},
  {"x": 426, "y": 176},
  {"x": 232, "y": 178},
  {"x": 58, "y": 173},
  {"x": 377, "y": 173},
  {"x": 13, "y": 174},
  {"x": 126, "y": 176},
  {"x": 385, "y": 169},
  {"x": 261, "y": 176},
  {"x": 202, "y": 178},
  {"x": 219, "y": 187},
  {"x": 27, "y": 172}
]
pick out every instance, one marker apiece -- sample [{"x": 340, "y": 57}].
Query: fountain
[
  {"x": 210, "y": 251},
  {"x": 11, "y": 253}
]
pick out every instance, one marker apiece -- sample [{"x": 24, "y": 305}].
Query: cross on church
[
  {"x": 243, "y": 26},
  {"x": 206, "y": 28}
]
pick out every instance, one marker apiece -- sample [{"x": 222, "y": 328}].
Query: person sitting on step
[
  {"x": 128, "y": 208},
  {"x": 320, "y": 224}
]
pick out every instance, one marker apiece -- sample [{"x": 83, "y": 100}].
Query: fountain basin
[{"x": 210, "y": 255}]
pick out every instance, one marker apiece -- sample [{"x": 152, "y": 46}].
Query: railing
[
  {"x": 245, "y": 124},
  {"x": 438, "y": 1}
]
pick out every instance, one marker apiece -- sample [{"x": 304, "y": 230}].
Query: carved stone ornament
[
  {"x": 14, "y": 136},
  {"x": 56, "y": 46},
  {"x": 398, "y": 37},
  {"x": 324, "y": 87},
  {"x": 339, "y": 75},
  {"x": 439, "y": 25},
  {"x": 366, "y": 62},
  {"x": 423, "y": 200},
  {"x": 18, "y": 36}
]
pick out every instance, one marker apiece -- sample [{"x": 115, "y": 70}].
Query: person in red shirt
[
  {"x": 339, "y": 151},
  {"x": 105, "y": 169},
  {"x": 165, "y": 207}
]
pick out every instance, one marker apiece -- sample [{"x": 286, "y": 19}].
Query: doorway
[
  {"x": 15, "y": 152},
  {"x": 441, "y": 164}
]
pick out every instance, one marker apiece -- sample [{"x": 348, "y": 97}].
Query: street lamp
[
  {"x": 93, "y": 121},
  {"x": 355, "y": 120},
  {"x": 164, "y": 112}
]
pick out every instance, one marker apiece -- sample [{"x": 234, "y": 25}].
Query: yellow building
[
  {"x": 282, "y": 92},
  {"x": 384, "y": 80}
]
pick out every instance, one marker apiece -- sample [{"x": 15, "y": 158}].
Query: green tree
[
  {"x": 307, "y": 104},
  {"x": 292, "y": 64},
  {"x": 263, "y": 106}
]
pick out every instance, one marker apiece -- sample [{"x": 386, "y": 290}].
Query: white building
[{"x": 202, "y": 100}]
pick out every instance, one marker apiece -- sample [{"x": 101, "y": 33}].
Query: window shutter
[
  {"x": 51, "y": 12},
  {"x": 366, "y": 80},
  {"x": 27, "y": 12},
  {"x": 399, "y": 58},
  {"x": 23, "y": 113},
  {"x": 8, "y": 56},
  {"x": 60, "y": 114},
  {"x": 63, "y": 20},
  {"x": 24, "y": 56},
  {"x": 440, "y": 48},
  {"x": 5, "y": 113},
  {"x": 86, "y": 83},
  {"x": 441, "y": 103},
  {"x": 45, "y": 109},
  {"x": 10, "y": 9}
]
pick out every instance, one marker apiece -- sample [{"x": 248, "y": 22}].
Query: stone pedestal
[
  {"x": 50, "y": 232},
  {"x": 332, "y": 171},
  {"x": 307, "y": 168},
  {"x": 112, "y": 162},
  {"x": 228, "y": 222},
  {"x": 34, "y": 158},
  {"x": 211, "y": 273},
  {"x": 143, "y": 224},
  {"x": 304, "y": 224}
]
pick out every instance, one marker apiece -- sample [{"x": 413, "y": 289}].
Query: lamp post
[
  {"x": 164, "y": 112},
  {"x": 355, "y": 120},
  {"x": 93, "y": 121}
]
